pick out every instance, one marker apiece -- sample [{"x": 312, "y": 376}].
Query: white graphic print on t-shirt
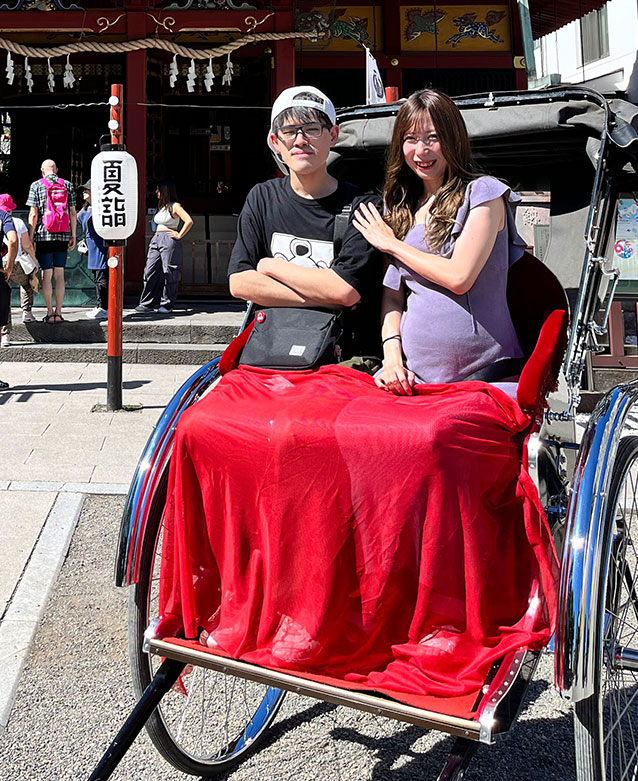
[{"x": 311, "y": 253}]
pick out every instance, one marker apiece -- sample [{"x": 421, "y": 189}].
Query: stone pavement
[{"x": 56, "y": 451}]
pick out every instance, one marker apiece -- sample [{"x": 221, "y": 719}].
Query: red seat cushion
[
  {"x": 540, "y": 373},
  {"x": 230, "y": 356}
]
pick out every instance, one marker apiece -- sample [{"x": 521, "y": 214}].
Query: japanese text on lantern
[{"x": 113, "y": 200}]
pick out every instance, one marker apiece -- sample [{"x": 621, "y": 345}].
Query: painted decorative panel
[
  {"x": 455, "y": 28},
  {"x": 346, "y": 27}
]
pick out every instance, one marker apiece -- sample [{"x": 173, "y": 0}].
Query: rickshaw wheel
[
  {"x": 215, "y": 720},
  {"x": 606, "y": 724}
]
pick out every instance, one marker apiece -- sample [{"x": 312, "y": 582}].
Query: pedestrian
[
  {"x": 25, "y": 269},
  {"x": 52, "y": 226},
  {"x": 164, "y": 259},
  {"x": 8, "y": 230},
  {"x": 97, "y": 257}
]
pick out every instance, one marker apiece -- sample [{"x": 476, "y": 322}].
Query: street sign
[{"x": 114, "y": 194}]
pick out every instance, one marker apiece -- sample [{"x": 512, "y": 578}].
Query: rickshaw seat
[
  {"x": 533, "y": 292},
  {"x": 230, "y": 356},
  {"x": 538, "y": 308}
]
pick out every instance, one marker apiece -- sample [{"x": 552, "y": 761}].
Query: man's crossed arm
[{"x": 276, "y": 282}]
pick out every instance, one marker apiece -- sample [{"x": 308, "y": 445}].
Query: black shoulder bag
[{"x": 286, "y": 337}]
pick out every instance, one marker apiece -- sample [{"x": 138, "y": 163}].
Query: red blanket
[{"x": 318, "y": 523}]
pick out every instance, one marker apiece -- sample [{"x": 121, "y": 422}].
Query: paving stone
[
  {"x": 35, "y": 485},
  {"x": 41, "y": 468},
  {"x": 30, "y": 597},
  {"x": 110, "y": 489},
  {"x": 28, "y": 510}
]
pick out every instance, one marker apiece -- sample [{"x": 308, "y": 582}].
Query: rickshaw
[{"x": 583, "y": 149}]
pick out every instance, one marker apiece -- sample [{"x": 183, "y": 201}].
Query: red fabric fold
[{"x": 317, "y": 523}]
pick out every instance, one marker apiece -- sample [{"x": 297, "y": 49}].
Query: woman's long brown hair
[
  {"x": 166, "y": 196},
  {"x": 403, "y": 188}
]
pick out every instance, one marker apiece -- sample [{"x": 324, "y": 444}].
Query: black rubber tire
[
  {"x": 163, "y": 738},
  {"x": 599, "y": 756}
]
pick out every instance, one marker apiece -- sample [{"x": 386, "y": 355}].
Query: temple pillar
[
  {"x": 284, "y": 51},
  {"x": 135, "y": 130}
]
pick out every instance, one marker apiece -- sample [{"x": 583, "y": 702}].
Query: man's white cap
[{"x": 311, "y": 97}]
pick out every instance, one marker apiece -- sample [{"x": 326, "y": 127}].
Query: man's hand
[{"x": 269, "y": 266}]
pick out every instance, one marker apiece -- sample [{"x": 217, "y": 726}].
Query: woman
[
  {"x": 450, "y": 237},
  {"x": 164, "y": 259}
]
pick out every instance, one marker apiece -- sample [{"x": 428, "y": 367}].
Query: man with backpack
[{"x": 52, "y": 226}]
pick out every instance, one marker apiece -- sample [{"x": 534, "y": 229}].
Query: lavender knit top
[{"x": 446, "y": 337}]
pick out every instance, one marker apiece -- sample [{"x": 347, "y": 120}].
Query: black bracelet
[{"x": 387, "y": 339}]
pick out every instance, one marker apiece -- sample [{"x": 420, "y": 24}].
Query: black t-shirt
[{"x": 276, "y": 222}]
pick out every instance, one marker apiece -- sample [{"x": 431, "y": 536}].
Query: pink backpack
[{"x": 56, "y": 213}]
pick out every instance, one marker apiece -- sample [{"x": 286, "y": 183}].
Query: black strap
[
  {"x": 341, "y": 223},
  {"x": 507, "y": 367}
]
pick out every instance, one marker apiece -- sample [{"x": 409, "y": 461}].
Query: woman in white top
[{"x": 164, "y": 259}]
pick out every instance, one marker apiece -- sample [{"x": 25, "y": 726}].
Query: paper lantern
[{"x": 114, "y": 195}]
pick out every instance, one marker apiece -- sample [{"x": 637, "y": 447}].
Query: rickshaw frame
[{"x": 584, "y": 562}]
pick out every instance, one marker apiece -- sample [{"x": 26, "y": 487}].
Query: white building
[{"x": 599, "y": 50}]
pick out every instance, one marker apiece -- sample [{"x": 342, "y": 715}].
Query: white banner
[
  {"x": 114, "y": 194},
  {"x": 375, "y": 93}
]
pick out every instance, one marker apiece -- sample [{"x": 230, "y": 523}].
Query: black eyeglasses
[{"x": 289, "y": 132}]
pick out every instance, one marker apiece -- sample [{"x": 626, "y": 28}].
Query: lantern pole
[{"x": 116, "y": 273}]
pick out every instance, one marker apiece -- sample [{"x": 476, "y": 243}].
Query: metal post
[
  {"x": 164, "y": 678},
  {"x": 116, "y": 276}
]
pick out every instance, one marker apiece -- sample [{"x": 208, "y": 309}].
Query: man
[
  {"x": 8, "y": 229},
  {"x": 52, "y": 226},
  {"x": 284, "y": 254}
]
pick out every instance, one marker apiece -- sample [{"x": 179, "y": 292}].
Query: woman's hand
[
  {"x": 370, "y": 224},
  {"x": 396, "y": 379},
  {"x": 174, "y": 234}
]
